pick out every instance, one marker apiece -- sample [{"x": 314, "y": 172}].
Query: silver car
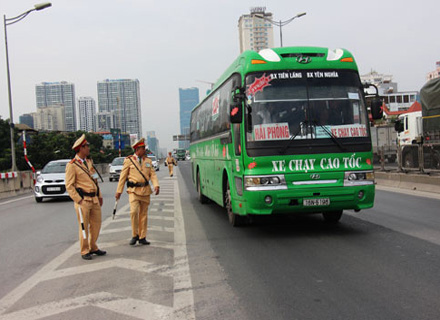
[
  {"x": 116, "y": 168},
  {"x": 51, "y": 181}
]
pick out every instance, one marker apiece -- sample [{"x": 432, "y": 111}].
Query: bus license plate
[
  {"x": 316, "y": 202},
  {"x": 53, "y": 189}
]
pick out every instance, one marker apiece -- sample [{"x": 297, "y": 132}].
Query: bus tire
[
  {"x": 235, "y": 220},
  {"x": 332, "y": 216},
  {"x": 202, "y": 198}
]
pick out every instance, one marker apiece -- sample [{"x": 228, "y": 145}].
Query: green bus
[{"x": 285, "y": 131}]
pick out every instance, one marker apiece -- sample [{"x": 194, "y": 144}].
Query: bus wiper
[
  {"x": 331, "y": 134},
  {"x": 293, "y": 137}
]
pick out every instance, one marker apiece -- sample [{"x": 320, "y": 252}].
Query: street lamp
[
  {"x": 7, "y": 22},
  {"x": 281, "y": 23}
]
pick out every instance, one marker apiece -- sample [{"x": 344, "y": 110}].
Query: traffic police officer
[
  {"x": 171, "y": 162},
  {"x": 82, "y": 186},
  {"x": 138, "y": 171}
]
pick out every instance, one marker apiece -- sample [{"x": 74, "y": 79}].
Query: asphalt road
[
  {"x": 381, "y": 263},
  {"x": 303, "y": 268}
]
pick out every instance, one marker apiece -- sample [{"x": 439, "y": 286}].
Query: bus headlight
[
  {"x": 358, "y": 178},
  {"x": 255, "y": 183}
]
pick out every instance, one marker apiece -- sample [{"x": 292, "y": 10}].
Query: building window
[
  {"x": 406, "y": 98},
  {"x": 392, "y": 99},
  {"x": 399, "y": 99}
]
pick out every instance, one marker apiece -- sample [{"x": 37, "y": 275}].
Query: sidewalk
[{"x": 130, "y": 282}]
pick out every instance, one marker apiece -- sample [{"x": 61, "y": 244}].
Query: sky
[{"x": 175, "y": 44}]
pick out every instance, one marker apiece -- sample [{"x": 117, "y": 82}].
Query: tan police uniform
[
  {"x": 79, "y": 180},
  {"x": 138, "y": 191},
  {"x": 171, "y": 162}
]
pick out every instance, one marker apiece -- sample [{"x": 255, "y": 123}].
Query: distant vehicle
[
  {"x": 51, "y": 181},
  {"x": 115, "y": 168},
  {"x": 155, "y": 161},
  {"x": 384, "y": 137},
  {"x": 180, "y": 154},
  {"x": 422, "y": 129}
]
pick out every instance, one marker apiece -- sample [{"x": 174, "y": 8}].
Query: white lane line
[
  {"x": 15, "y": 200},
  {"x": 123, "y": 263},
  {"x": 150, "y": 228},
  {"x": 183, "y": 292},
  {"x": 136, "y": 308},
  {"x": 12, "y": 297}
]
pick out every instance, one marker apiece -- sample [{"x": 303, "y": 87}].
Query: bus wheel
[
  {"x": 234, "y": 219},
  {"x": 332, "y": 216},
  {"x": 203, "y": 199}
]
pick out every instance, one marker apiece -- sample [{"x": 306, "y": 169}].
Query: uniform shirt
[
  {"x": 170, "y": 160},
  {"x": 76, "y": 177},
  {"x": 129, "y": 172}
]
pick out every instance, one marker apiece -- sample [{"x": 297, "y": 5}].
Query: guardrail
[
  {"x": 412, "y": 158},
  {"x": 15, "y": 183}
]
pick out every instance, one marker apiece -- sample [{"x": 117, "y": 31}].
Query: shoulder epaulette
[{"x": 73, "y": 160}]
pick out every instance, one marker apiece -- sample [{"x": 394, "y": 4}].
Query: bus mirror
[
  {"x": 236, "y": 113},
  {"x": 398, "y": 126},
  {"x": 376, "y": 108}
]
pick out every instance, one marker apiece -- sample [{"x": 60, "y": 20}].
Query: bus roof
[{"x": 289, "y": 58}]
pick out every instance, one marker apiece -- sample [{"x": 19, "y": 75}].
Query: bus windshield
[{"x": 305, "y": 105}]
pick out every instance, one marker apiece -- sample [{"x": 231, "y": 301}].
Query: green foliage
[{"x": 5, "y": 143}]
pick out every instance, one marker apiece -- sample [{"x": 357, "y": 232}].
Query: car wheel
[{"x": 38, "y": 199}]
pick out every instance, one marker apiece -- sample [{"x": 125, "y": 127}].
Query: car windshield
[
  {"x": 118, "y": 162},
  {"x": 153, "y": 158},
  {"x": 54, "y": 167},
  {"x": 305, "y": 105}
]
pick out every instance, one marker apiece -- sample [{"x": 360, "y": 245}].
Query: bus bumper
[{"x": 314, "y": 200}]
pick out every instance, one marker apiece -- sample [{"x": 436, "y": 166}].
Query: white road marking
[
  {"x": 183, "y": 297},
  {"x": 15, "y": 200}
]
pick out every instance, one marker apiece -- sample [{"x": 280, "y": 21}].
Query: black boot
[
  {"x": 144, "y": 241},
  {"x": 133, "y": 240}
]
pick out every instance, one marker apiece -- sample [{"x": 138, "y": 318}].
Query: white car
[
  {"x": 116, "y": 168},
  {"x": 51, "y": 181},
  {"x": 154, "y": 160}
]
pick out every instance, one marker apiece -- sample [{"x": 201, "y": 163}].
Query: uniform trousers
[
  {"x": 139, "y": 214},
  {"x": 170, "y": 168},
  {"x": 91, "y": 213}
]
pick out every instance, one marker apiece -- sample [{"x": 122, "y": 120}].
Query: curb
[{"x": 408, "y": 181}]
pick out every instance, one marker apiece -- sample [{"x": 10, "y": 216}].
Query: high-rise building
[
  {"x": 121, "y": 98},
  {"x": 87, "y": 114},
  {"x": 50, "y": 118},
  {"x": 255, "y": 33},
  {"x": 27, "y": 119},
  {"x": 104, "y": 121},
  {"x": 188, "y": 99},
  {"x": 153, "y": 142},
  {"x": 50, "y": 94}
]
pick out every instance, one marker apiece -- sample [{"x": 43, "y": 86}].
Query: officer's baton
[
  {"x": 82, "y": 222},
  {"x": 114, "y": 209}
]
